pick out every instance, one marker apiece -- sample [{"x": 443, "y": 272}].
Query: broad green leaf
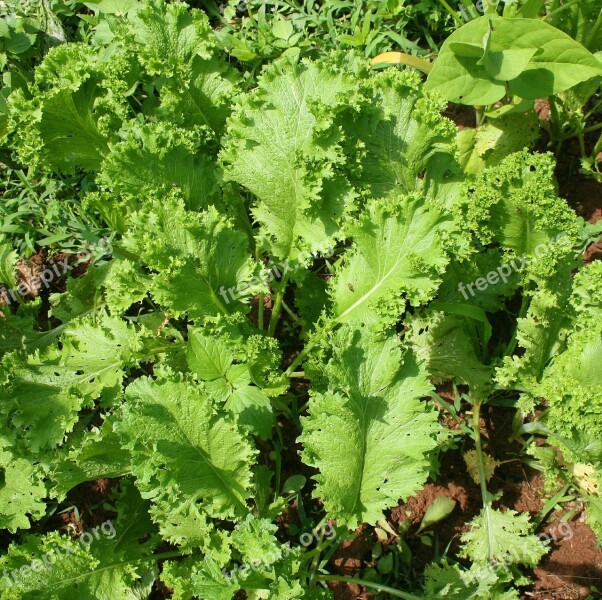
[
  {"x": 101, "y": 349},
  {"x": 22, "y": 492},
  {"x": 169, "y": 36},
  {"x": 43, "y": 403},
  {"x": 253, "y": 409},
  {"x": 402, "y": 132},
  {"x": 449, "y": 346},
  {"x": 480, "y": 582},
  {"x": 200, "y": 579},
  {"x": 467, "y": 49},
  {"x": 112, "y": 7},
  {"x": 283, "y": 146},
  {"x": 95, "y": 455},
  {"x": 101, "y": 564},
  {"x": 528, "y": 58},
  {"x": 48, "y": 388},
  {"x": 202, "y": 265},
  {"x": 368, "y": 434},
  {"x": 8, "y": 266},
  {"x": 207, "y": 356},
  {"x": 71, "y": 119},
  {"x": 396, "y": 254},
  {"x": 572, "y": 380},
  {"x": 515, "y": 205},
  {"x": 487, "y": 145},
  {"x": 255, "y": 540},
  {"x": 202, "y": 99},
  {"x": 469, "y": 311},
  {"x": 156, "y": 158},
  {"x": 508, "y": 64},
  {"x": 183, "y": 451}
]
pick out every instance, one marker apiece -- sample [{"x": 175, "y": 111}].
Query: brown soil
[
  {"x": 350, "y": 559},
  {"x": 572, "y": 567}
]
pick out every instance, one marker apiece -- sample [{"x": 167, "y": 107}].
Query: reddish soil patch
[
  {"x": 349, "y": 560},
  {"x": 572, "y": 567},
  {"x": 453, "y": 481}
]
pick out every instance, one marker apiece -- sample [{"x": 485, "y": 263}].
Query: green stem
[
  {"x": 260, "y": 311},
  {"x": 593, "y": 128},
  {"x": 593, "y": 110},
  {"x": 581, "y": 138},
  {"x": 486, "y": 496},
  {"x": 370, "y": 584},
  {"x": 560, "y": 9},
  {"x": 452, "y": 12},
  {"x": 448, "y": 407},
  {"x": 301, "y": 357},
  {"x": 291, "y": 314},
  {"x": 119, "y": 251},
  {"x": 316, "y": 558},
  {"x": 218, "y": 302},
  {"x": 278, "y": 447},
  {"x": 277, "y": 308}
]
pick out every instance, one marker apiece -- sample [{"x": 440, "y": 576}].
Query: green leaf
[
  {"x": 282, "y": 29},
  {"x": 207, "y": 356},
  {"x": 201, "y": 579},
  {"x": 183, "y": 451},
  {"x": 368, "y": 433},
  {"x": 8, "y": 266},
  {"x": 438, "y": 510},
  {"x": 22, "y": 492},
  {"x": 255, "y": 540},
  {"x": 402, "y": 132},
  {"x": 253, "y": 409},
  {"x": 509, "y": 64},
  {"x": 528, "y": 58},
  {"x": 466, "y": 310},
  {"x": 97, "y": 454},
  {"x": 449, "y": 347},
  {"x": 71, "y": 119},
  {"x": 169, "y": 36},
  {"x": 397, "y": 251},
  {"x": 155, "y": 158},
  {"x": 201, "y": 99},
  {"x": 111, "y": 557},
  {"x": 202, "y": 265},
  {"x": 502, "y": 536},
  {"x": 293, "y": 484},
  {"x": 467, "y": 49},
  {"x": 283, "y": 146},
  {"x": 112, "y": 7}
]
